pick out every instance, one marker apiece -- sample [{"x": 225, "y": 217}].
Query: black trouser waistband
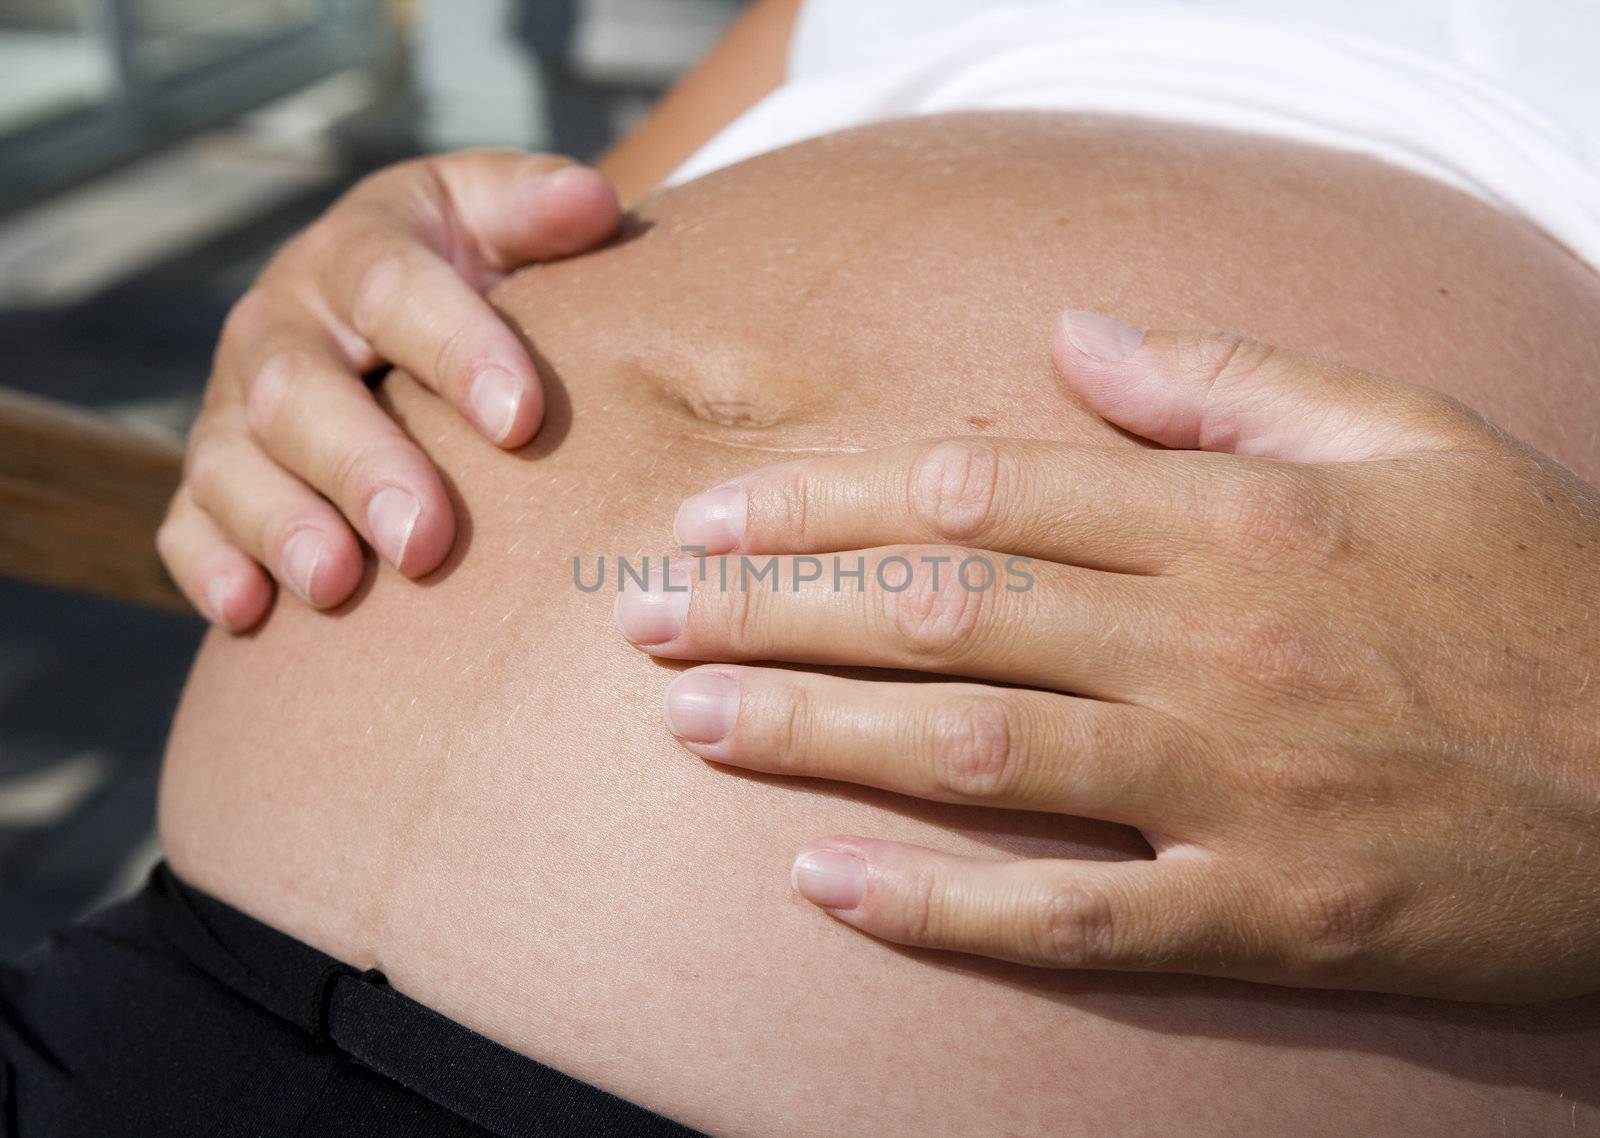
[
  {"x": 177, "y": 973},
  {"x": 358, "y": 1014}
]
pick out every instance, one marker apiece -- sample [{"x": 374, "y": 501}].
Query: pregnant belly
[{"x": 466, "y": 782}]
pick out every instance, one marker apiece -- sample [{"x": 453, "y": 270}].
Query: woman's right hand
[
  {"x": 291, "y": 450},
  {"x": 1333, "y": 653}
]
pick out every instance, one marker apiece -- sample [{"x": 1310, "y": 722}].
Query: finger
[
  {"x": 929, "y": 609},
  {"x": 415, "y": 310},
  {"x": 961, "y": 743},
  {"x": 511, "y": 208},
  {"x": 220, "y": 580},
  {"x": 408, "y": 285},
  {"x": 1172, "y": 914},
  {"x": 1122, "y": 510},
  {"x": 1225, "y": 393},
  {"x": 274, "y": 517},
  {"x": 326, "y": 428}
]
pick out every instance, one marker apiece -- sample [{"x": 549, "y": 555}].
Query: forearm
[{"x": 747, "y": 63}]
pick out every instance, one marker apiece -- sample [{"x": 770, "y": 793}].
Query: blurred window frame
[{"x": 144, "y": 112}]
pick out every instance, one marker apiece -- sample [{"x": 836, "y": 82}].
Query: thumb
[
  {"x": 504, "y": 209},
  {"x": 1197, "y": 391}
]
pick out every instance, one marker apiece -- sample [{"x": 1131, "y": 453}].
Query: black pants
[{"x": 172, "y": 1013}]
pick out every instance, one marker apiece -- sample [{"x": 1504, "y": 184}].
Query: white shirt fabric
[{"x": 1495, "y": 97}]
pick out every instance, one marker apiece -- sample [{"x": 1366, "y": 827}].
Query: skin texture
[
  {"x": 469, "y": 785},
  {"x": 290, "y": 451},
  {"x": 1338, "y": 671},
  {"x": 290, "y": 455}
]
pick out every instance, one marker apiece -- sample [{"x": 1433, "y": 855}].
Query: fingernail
[
  {"x": 702, "y": 706},
  {"x": 217, "y": 600},
  {"x": 829, "y": 879},
  {"x": 566, "y": 176},
  {"x": 302, "y": 553},
  {"x": 655, "y": 614},
  {"x": 1100, "y": 337},
  {"x": 712, "y": 521},
  {"x": 495, "y": 396},
  {"x": 391, "y": 516}
]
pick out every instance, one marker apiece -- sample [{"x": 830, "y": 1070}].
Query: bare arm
[{"x": 747, "y": 63}]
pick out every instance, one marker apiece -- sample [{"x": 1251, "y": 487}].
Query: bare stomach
[{"x": 468, "y": 784}]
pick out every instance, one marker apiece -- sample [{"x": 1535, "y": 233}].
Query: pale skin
[
  {"x": 291, "y": 465},
  {"x": 292, "y": 445}
]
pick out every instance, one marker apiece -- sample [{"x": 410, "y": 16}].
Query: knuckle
[
  {"x": 1335, "y": 920},
  {"x": 348, "y": 473},
  {"x": 1073, "y": 927},
  {"x": 739, "y": 610},
  {"x": 934, "y": 618},
  {"x": 1290, "y": 650},
  {"x": 787, "y": 506},
  {"x": 1451, "y": 424},
  {"x": 793, "y": 734},
  {"x": 1266, "y": 517},
  {"x": 267, "y": 394},
  {"x": 167, "y": 539},
  {"x": 953, "y": 487},
  {"x": 454, "y": 357},
  {"x": 1304, "y": 779},
  {"x": 1209, "y": 361},
  {"x": 921, "y": 909},
  {"x": 1323, "y": 784},
  {"x": 377, "y": 291},
  {"x": 1269, "y": 649},
  {"x": 206, "y": 462},
  {"x": 972, "y": 755}
]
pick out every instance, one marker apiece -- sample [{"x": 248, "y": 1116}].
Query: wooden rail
[{"x": 80, "y": 499}]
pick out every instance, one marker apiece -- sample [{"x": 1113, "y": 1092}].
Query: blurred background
[{"x": 153, "y": 154}]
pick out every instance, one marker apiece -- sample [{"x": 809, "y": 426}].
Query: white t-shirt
[{"x": 1497, "y": 98}]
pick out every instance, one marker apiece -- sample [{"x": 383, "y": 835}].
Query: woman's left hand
[{"x": 1349, "y": 698}]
